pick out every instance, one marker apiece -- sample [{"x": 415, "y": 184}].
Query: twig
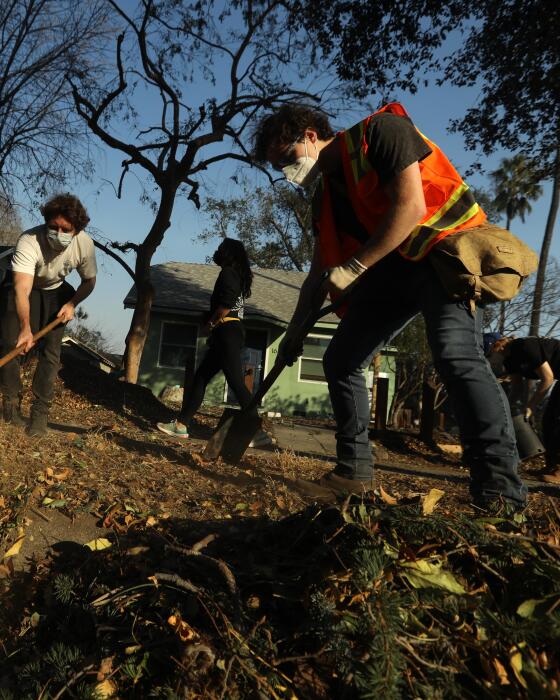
[
  {"x": 217, "y": 563},
  {"x": 72, "y": 680},
  {"x": 203, "y": 543},
  {"x": 177, "y": 581},
  {"x": 428, "y": 664},
  {"x": 226, "y": 676},
  {"x": 38, "y": 512}
]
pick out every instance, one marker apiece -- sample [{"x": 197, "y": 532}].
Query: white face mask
[
  {"x": 59, "y": 241},
  {"x": 305, "y": 169}
]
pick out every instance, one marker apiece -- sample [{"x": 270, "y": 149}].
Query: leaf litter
[{"x": 219, "y": 582}]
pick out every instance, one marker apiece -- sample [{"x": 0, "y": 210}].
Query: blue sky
[{"x": 127, "y": 219}]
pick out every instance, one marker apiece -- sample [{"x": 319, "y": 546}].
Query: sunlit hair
[
  {"x": 233, "y": 253},
  {"x": 501, "y": 344},
  {"x": 287, "y": 125},
  {"x": 68, "y": 206}
]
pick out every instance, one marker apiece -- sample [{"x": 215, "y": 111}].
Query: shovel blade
[{"x": 235, "y": 431}]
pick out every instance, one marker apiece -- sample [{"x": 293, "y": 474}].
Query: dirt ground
[{"x": 113, "y": 468}]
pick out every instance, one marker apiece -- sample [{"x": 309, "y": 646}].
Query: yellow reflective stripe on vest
[
  {"x": 358, "y": 160},
  {"x": 457, "y": 210}
]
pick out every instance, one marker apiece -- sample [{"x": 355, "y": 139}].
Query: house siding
[{"x": 289, "y": 396}]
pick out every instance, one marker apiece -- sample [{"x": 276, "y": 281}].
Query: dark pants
[
  {"x": 224, "y": 353},
  {"x": 384, "y": 301},
  {"x": 551, "y": 428},
  {"x": 44, "y": 306}
]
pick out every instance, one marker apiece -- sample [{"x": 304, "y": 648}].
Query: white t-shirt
[{"x": 35, "y": 256}]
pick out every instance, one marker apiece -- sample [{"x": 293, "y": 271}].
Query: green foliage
[
  {"x": 64, "y": 588},
  {"x": 515, "y": 187},
  {"x": 508, "y": 48},
  {"x": 323, "y": 607},
  {"x": 274, "y": 225}
]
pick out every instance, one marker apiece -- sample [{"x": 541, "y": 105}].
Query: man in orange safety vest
[{"x": 385, "y": 196}]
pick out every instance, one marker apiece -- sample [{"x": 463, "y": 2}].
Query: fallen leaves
[
  {"x": 182, "y": 628},
  {"x": 14, "y": 549},
  {"x": 430, "y": 501},
  {"x": 98, "y": 544},
  {"x": 429, "y": 573}
]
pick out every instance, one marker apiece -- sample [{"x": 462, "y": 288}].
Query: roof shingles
[{"x": 187, "y": 287}]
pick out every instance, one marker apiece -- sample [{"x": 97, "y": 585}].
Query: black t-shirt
[
  {"x": 393, "y": 145},
  {"x": 525, "y": 355},
  {"x": 228, "y": 292}
]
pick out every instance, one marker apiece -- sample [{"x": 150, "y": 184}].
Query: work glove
[
  {"x": 291, "y": 347},
  {"x": 342, "y": 276}
]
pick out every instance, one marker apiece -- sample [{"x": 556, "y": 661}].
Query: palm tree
[
  {"x": 545, "y": 249},
  {"x": 516, "y": 186}
]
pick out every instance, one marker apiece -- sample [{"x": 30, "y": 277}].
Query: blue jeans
[{"x": 386, "y": 298}]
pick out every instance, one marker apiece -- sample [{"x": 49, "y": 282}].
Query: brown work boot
[
  {"x": 11, "y": 411},
  {"x": 39, "y": 421},
  {"x": 332, "y": 486}
]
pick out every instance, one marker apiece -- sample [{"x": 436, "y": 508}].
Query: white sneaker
[{"x": 261, "y": 439}]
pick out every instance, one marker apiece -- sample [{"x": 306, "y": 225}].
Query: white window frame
[
  {"x": 176, "y": 323},
  {"x": 302, "y": 357}
]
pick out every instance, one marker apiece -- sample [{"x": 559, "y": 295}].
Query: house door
[{"x": 252, "y": 360}]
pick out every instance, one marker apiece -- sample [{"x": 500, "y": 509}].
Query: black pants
[
  {"x": 44, "y": 305},
  {"x": 224, "y": 353},
  {"x": 551, "y": 428}
]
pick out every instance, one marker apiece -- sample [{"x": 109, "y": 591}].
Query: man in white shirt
[{"x": 37, "y": 293}]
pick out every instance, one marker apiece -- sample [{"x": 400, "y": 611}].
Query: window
[
  {"x": 311, "y": 363},
  {"x": 177, "y": 345}
]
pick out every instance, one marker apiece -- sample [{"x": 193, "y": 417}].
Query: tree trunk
[
  {"x": 547, "y": 240},
  {"x": 140, "y": 324}
]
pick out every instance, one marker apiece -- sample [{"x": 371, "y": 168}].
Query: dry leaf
[
  {"x": 430, "y": 501},
  {"x": 151, "y": 521},
  {"x": 500, "y": 672},
  {"x": 2, "y": 502},
  {"x": 184, "y": 631},
  {"x": 516, "y": 662},
  {"x": 105, "y": 668},
  {"x": 98, "y": 544},
  {"x": 106, "y": 689},
  {"x": 64, "y": 474},
  {"x": 14, "y": 549},
  {"x": 390, "y": 500},
  {"x": 139, "y": 549}
]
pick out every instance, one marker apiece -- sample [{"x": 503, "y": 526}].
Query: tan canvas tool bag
[{"x": 484, "y": 264}]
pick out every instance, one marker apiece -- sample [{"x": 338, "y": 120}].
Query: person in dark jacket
[
  {"x": 226, "y": 338},
  {"x": 536, "y": 358}
]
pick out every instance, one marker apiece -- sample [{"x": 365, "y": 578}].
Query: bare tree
[
  {"x": 517, "y": 312},
  {"x": 43, "y": 42},
  {"x": 10, "y": 225},
  {"x": 242, "y": 50}
]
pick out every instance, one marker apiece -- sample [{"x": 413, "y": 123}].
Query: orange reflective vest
[{"x": 450, "y": 203}]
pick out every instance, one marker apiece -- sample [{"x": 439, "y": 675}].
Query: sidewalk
[{"x": 320, "y": 443}]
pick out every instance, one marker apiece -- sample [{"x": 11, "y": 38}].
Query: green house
[{"x": 182, "y": 296}]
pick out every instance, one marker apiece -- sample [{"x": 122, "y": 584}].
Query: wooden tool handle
[{"x": 17, "y": 351}]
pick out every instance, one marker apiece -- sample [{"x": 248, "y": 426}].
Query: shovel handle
[
  {"x": 306, "y": 325},
  {"x": 18, "y": 350}
]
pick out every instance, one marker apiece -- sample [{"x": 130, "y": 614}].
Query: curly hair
[
  {"x": 233, "y": 253},
  {"x": 68, "y": 206},
  {"x": 287, "y": 125}
]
